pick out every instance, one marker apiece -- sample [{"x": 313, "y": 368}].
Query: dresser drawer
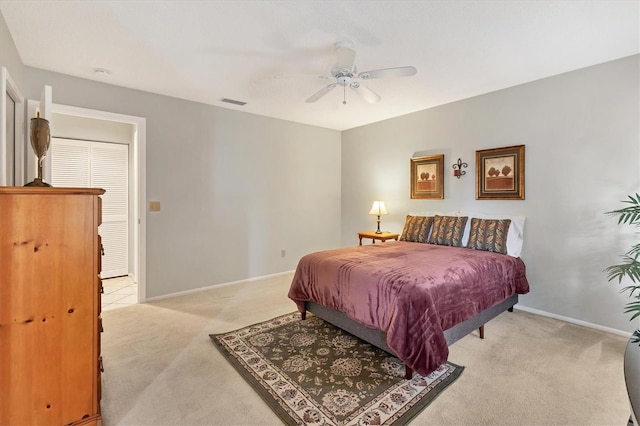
[
  {"x": 99, "y": 296},
  {"x": 99, "y": 337},
  {"x": 99, "y": 383},
  {"x": 100, "y": 253},
  {"x": 99, "y": 213}
]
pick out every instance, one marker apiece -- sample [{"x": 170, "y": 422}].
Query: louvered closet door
[
  {"x": 110, "y": 171},
  {"x": 70, "y": 163},
  {"x": 76, "y": 163}
]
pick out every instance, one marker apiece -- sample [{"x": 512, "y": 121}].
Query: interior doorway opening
[{"x": 135, "y": 213}]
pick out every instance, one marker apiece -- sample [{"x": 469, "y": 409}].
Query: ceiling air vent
[{"x": 233, "y": 101}]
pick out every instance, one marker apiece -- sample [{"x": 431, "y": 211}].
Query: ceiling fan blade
[
  {"x": 388, "y": 72},
  {"x": 346, "y": 58},
  {"x": 366, "y": 93},
  {"x": 320, "y": 93}
]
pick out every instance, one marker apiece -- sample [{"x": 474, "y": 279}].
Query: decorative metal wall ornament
[
  {"x": 40, "y": 140},
  {"x": 457, "y": 168}
]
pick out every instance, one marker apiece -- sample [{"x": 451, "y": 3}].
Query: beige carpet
[{"x": 162, "y": 369}]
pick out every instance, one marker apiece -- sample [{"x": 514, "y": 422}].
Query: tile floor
[{"x": 119, "y": 292}]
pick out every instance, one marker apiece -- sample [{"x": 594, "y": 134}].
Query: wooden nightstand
[{"x": 382, "y": 237}]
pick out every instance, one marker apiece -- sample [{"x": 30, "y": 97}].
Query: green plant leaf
[
  {"x": 632, "y": 289},
  {"x": 630, "y": 266},
  {"x": 633, "y": 307},
  {"x": 634, "y": 251},
  {"x": 631, "y": 214}
]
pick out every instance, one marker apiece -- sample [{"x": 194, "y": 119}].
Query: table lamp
[{"x": 378, "y": 208}]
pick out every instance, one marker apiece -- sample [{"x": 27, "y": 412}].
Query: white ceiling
[{"x": 270, "y": 54}]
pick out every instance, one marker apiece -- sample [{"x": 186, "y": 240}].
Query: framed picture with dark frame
[
  {"x": 427, "y": 177},
  {"x": 500, "y": 173}
]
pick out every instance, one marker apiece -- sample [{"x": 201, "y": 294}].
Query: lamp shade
[{"x": 378, "y": 208}]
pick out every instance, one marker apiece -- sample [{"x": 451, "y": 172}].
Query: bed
[{"x": 446, "y": 277}]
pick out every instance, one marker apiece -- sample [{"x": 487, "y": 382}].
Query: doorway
[{"x": 136, "y": 155}]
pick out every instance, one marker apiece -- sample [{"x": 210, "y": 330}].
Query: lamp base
[
  {"x": 38, "y": 182},
  {"x": 378, "y": 231}
]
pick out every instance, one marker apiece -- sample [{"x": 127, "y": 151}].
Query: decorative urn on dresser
[{"x": 50, "y": 291}]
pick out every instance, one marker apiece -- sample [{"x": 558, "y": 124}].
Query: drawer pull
[
  {"x": 101, "y": 249},
  {"x": 100, "y": 365}
]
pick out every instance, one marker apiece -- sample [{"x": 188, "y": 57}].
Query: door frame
[
  {"x": 9, "y": 89},
  {"x": 137, "y": 174}
]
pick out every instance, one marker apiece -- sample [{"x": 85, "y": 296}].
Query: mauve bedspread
[{"x": 411, "y": 291}]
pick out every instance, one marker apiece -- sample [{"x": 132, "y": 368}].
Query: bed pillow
[
  {"x": 416, "y": 229},
  {"x": 448, "y": 230},
  {"x": 489, "y": 235},
  {"x": 515, "y": 237}
]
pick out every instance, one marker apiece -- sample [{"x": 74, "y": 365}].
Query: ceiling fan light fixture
[
  {"x": 344, "y": 80},
  {"x": 344, "y": 71}
]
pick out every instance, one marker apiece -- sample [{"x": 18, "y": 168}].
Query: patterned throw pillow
[
  {"x": 416, "y": 229},
  {"x": 489, "y": 235},
  {"x": 448, "y": 230}
]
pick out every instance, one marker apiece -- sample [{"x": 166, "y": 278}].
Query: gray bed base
[{"x": 378, "y": 338}]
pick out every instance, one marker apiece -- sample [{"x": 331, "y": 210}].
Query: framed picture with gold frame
[
  {"x": 500, "y": 173},
  {"x": 427, "y": 177}
]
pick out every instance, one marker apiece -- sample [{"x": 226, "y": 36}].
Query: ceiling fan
[{"x": 344, "y": 71}]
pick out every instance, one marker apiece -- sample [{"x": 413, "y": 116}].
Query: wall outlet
[
  {"x": 283, "y": 253},
  {"x": 154, "y": 206}
]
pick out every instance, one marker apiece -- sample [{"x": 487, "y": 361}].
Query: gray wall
[
  {"x": 9, "y": 54},
  {"x": 235, "y": 188},
  {"x": 581, "y": 135}
]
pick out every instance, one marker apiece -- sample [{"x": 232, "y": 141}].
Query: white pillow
[{"x": 515, "y": 235}]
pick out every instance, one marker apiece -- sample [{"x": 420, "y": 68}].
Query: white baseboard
[
  {"x": 197, "y": 290},
  {"x": 573, "y": 321},
  {"x": 518, "y": 306}
]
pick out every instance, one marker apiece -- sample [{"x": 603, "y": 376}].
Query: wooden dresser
[{"x": 50, "y": 322}]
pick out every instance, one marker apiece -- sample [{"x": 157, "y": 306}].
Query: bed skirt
[{"x": 378, "y": 337}]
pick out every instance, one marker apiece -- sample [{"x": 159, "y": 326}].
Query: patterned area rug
[{"x": 311, "y": 372}]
